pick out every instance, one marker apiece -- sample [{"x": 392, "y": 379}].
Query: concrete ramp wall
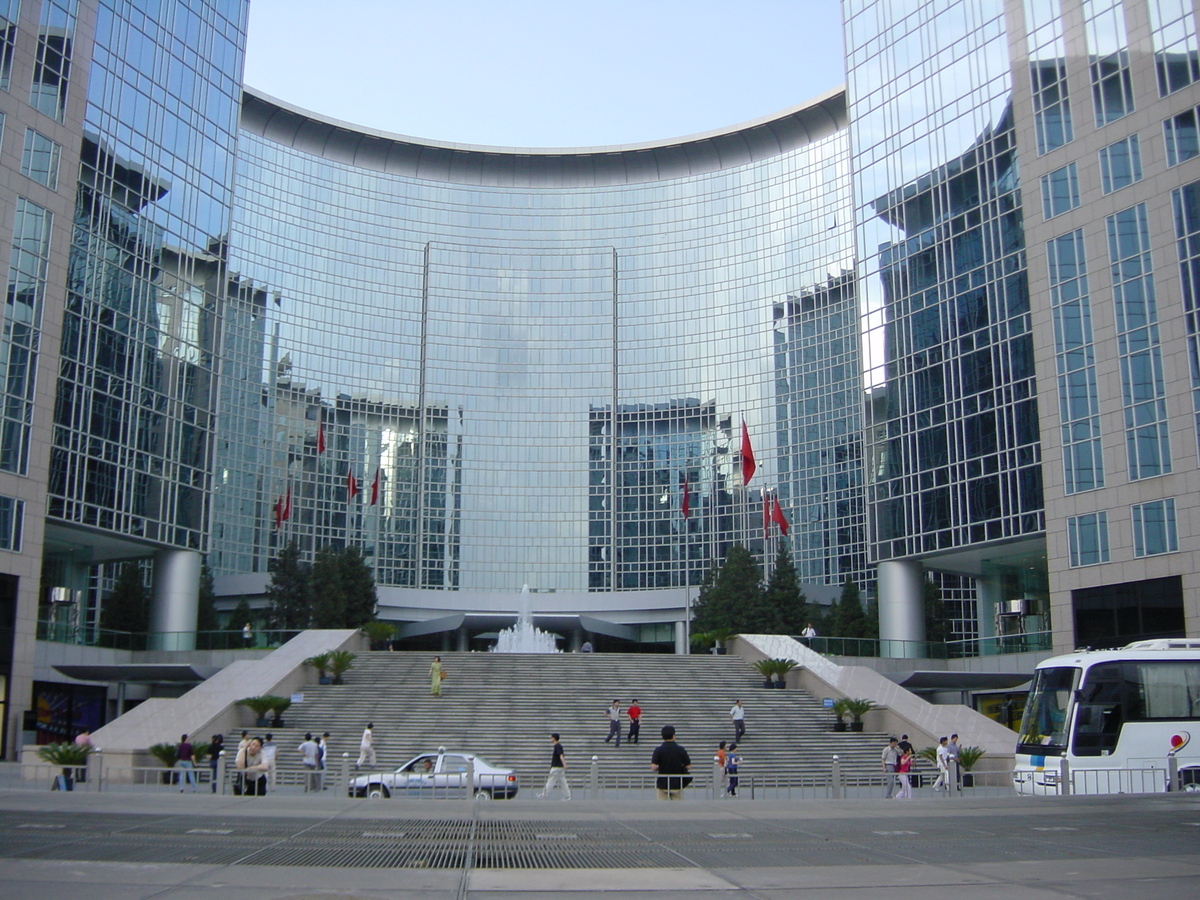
[
  {"x": 210, "y": 707},
  {"x": 898, "y": 711}
]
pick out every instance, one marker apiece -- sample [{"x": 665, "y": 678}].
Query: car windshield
[{"x": 421, "y": 765}]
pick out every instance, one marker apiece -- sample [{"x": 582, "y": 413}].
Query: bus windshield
[{"x": 1044, "y": 725}]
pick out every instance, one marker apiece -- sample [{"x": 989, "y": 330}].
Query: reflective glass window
[
  {"x": 52, "y": 65},
  {"x": 1120, "y": 164},
  {"x": 1182, "y": 137},
  {"x": 1060, "y": 191},
  {"x": 39, "y": 159},
  {"x": 1173, "y": 30},
  {"x": 9, "y": 12},
  {"x": 1048, "y": 75},
  {"x": 1154, "y": 528},
  {"x": 1087, "y": 539},
  {"x": 1108, "y": 60},
  {"x": 1185, "y": 203},
  {"x": 12, "y": 521}
]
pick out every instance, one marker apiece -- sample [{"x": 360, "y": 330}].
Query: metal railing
[{"x": 90, "y": 636}]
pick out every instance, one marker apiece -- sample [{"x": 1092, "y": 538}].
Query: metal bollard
[
  {"x": 718, "y": 771},
  {"x": 344, "y": 780},
  {"x": 835, "y": 779},
  {"x": 469, "y": 779},
  {"x": 95, "y": 770},
  {"x": 222, "y": 761},
  {"x": 1064, "y": 777},
  {"x": 594, "y": 791},
  {"x": 955, "y": 789}
]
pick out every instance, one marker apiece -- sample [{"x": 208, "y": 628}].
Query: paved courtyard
[{"x": 116, "y": 846}]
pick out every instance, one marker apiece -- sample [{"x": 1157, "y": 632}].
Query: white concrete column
[
  {"x": 901, "y": 608},
  {"x": 175, "y": 599}
]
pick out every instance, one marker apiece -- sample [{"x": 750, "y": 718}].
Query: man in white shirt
[
  {"x": 737, "y": 716},
  {"x": 269, "y": 749},
  {"x": 614, "y": 722},
  {"x": 891, "y": 756},
  {"x": 366, "y": 749},
  {"x": 943, "y": 764},
  {"x": 310, "y": 752}
]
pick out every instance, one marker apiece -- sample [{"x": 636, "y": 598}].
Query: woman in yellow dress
[{"x": 436, "y": 674}]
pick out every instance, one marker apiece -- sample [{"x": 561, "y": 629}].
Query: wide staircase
[{"x": 503, "y": 707}]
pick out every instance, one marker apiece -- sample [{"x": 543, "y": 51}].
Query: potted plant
[
  {"x": 782, "y": 667},
  {"x": 260, "y": 706},
  {"x": 766, "y": 668},
  {"x": 280, "y": 707},
  {"x": 320, "y": 662},
  {"x": 379, "y": 634},
  {"x": 857, "y": 708},
  {"x": 840, "y": 711},
  {"x": 69, "y": 756},
  {"x": 967, "y": 757},
  {"x": 340, "y": 662},
  {"x": 168, "y": 755}
]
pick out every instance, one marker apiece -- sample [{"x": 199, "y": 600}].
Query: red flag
[
  {"x": 748, "y": 464},
  {"x": 287, "y": 505},
  {"x": 685, "y": 505},
  {"x": 766, "y": 516},
  {"x": 375, "y": 488},
  {"x": 278, "y": 512},
  {"x": 321, "y": 435},
  {"x": 778, "y": 517},
  {"x": 351, "y": 485}
]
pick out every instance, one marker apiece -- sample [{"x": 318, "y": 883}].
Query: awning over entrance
[
  {"x": 919, "y": 681},
  {"x": 140, "y": 673}
]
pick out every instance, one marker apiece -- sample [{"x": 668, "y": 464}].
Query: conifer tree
[
  {"x": 206, "y": 609},
  {"x": 127, "y": 607},
  {"x": 358, "y": 582},
  {"x": 849, "y": 619},
  {"x": 288, "y": 591},
  {"x": 785, "y": 601},
  {"x": 731, "y": 599},
  {"x": 937, "y": 622},
  {"x": 328, "y": 593}
]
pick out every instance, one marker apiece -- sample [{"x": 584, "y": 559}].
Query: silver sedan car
[{"x": 441, "y": 774}]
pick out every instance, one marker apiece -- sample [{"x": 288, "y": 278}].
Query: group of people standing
[
  {"x": 897, "y": 760},
  {"x": 614, "y": 722}
]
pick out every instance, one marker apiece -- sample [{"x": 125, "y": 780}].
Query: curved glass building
[{"x": 491, "y": 367}]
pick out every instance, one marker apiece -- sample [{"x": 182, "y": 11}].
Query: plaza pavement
[{"x": 171, "y": 846}]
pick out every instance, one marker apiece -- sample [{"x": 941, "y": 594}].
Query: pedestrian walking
[
  {"x": 732, "y": 760},
  {"x": 891, "y": 756},
  {"x": 186, "y": 755},
  {"x": 614, "y": 722},
  {"x": 366, "y": 747},
  {"x": 672, "y": 763},
  {"x": 903, "y": 767},
  {"x": 737, "y": 716},
  {"x": 310, "y": 753},
  {"x": 943, "y": 765},
  {"x": 437, "y": 674},
  {"x": 635, "y": 722},
  {"x": 558, "y": 771},
  {"x": 247, "y": 635}
]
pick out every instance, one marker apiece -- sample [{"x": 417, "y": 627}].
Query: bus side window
[{"x": 1098, "y": 715}]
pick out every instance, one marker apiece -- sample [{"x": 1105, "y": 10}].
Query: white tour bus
[{"x": 1116, "y": 717}]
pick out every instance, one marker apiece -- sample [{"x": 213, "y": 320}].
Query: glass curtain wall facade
[
  {"x": 1029, "y": 356},
  {"x": 524, "y": 363}
]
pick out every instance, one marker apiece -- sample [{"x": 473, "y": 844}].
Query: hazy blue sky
[{"x": 545, "y": 73}]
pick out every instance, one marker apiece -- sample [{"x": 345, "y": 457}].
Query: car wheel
[
  {"x": 376, "y": 791},
  {"x": 483, "y": 795}
]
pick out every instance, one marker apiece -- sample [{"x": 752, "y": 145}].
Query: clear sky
[{"x": 545, "y": 73}]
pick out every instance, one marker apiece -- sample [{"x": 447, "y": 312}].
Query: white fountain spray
[{"x": 523, "y": 637}]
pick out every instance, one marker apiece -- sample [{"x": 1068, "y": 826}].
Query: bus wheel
[{"x": 1190, "y": 779}]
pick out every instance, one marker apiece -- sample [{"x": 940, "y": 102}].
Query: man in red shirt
[{"x": 635, "y": 721}]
